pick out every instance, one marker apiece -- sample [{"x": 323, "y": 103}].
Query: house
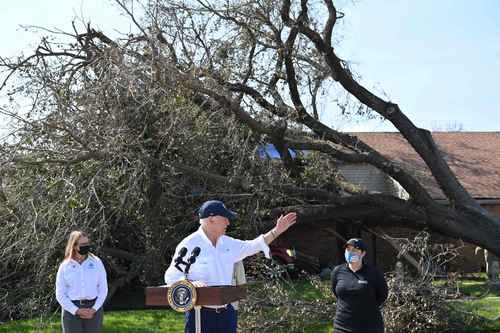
[{"x": 474, "y": 157}]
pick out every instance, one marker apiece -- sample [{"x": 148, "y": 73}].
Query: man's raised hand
[{"x": 285, "y": 222}]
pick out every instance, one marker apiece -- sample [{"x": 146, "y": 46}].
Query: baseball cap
[
  {"x": 357, "y": 243},
  {"x": 214, "y": 208}
]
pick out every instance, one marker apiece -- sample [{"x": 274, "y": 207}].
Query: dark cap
[
  {"x": 214, "y": 208},
  {"x": 357, "y": 243}
]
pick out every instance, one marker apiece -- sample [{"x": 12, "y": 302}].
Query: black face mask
[{"x": 84, "y": 250}]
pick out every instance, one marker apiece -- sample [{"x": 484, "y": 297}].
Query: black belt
[{"x": 84, "y": 301}]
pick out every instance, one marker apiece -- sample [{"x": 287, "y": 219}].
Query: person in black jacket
[{"x": 360, "y": 290}]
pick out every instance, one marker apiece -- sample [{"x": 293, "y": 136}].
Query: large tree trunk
[
  {"x": 217, "y": 91},
  {"x": 470, "y": 225},
  {"x": 467, "y": 220}
]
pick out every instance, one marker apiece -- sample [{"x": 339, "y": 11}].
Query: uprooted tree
[{"x": 125, "y": 136}]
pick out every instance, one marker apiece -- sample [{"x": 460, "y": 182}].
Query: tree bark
[{"x": 467, "y": 220}]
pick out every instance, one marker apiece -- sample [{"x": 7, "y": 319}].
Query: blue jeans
[{"x": 213, "y": 322}]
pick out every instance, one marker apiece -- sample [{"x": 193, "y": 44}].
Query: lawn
[
  {"x": 137, "y": 321},
  {"x": 487, "y": 307},
  {"x": 485, "y": 301},
  {"x": 478, "y": 288}
]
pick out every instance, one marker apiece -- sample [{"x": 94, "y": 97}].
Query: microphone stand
[{"x": 187, "y": 265}]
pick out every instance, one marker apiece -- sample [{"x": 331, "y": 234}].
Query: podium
[{"x": 215, "y": 295}]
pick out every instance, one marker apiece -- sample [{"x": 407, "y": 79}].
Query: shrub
[
  {"x": 275, "y": 304},
  {"x": 414, "y": 306}
]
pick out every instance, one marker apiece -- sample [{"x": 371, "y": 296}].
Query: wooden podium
[{"x": 217, "y": 295}]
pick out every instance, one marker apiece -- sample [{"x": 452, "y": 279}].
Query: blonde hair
[{"x": 72, "y": 240}]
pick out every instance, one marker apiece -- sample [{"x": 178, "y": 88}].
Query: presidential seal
[{"x": 182, "y": 296}]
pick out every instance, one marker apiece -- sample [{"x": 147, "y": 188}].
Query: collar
[
  {"x": 204, "y": 236},
  {"x": 359, "y": 270},
  {"x": 89, "y": 258}
]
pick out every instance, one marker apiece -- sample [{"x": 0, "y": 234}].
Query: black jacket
[{"x": 359, "y": 298}]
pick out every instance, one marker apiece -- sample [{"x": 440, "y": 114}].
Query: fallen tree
[{"x": 126, "y": 136}]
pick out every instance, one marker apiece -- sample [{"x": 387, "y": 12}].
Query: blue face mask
[{"x": 351, "y": 257}]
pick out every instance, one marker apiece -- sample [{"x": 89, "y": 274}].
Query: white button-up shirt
[
  {"x": 214, "y": 265},
  {"x": 85, "y": 281}
]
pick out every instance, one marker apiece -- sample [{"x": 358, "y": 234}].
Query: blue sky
[
  {"x": 52, "y": 14},
  {"x": 438, "y": 59}
]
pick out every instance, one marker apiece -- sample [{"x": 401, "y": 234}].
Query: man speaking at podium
[{"x": 215, "y": 263}]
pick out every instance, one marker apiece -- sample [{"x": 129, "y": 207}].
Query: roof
[{"x": 474, "y": 157}]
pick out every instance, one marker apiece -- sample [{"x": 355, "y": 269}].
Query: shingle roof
[{"x": 474, "y": 157}]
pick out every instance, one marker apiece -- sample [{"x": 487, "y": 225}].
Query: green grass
[
  {"x": 486, "y": 304},
  {"x": 300, "y": 289},
  {"x": 325, "y": 328},
  {"x": 486, "y": 307},
  {"x": 303, "y": 289},
  {"x": 479, "y": 289},
  {"x": 137, "y": 321},
  {"x": 475, "y": 288},
  {"x": 316, "y": 328}
]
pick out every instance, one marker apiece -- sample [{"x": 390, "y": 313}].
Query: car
[{"x": 294, "y": 261}]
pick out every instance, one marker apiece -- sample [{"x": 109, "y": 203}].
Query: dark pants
[
  {"x": 75, "y": 324},
  {"x": 213, "y": 322}
]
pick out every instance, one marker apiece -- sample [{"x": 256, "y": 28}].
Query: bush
[
  {"x": 417, "y": 307},
  {"x": 275, "y": 304}
]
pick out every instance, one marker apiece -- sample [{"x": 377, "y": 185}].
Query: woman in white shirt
[{"x": 81, "y": 286}]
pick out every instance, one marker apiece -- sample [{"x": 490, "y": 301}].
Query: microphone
[
  {"x": 192, "y": 259},
  {"x": 196, "y": 252},
  {"x": 182, "y": 253},
  {"x": 178, "y": 261}
]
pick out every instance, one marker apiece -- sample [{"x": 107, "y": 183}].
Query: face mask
[
  {"x": 351, "y": 257},
  {"x": 84, "y": 250}
]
